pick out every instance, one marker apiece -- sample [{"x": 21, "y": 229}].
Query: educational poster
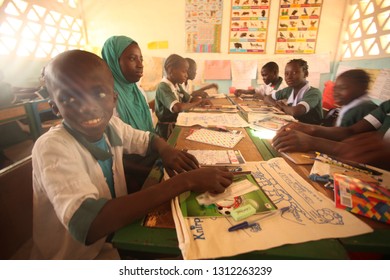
[
  {"x": 248, "y": 26},
  {"x": 203, "y": 26},
  {"x": 217, "y": 70},
  {"x": 298, "y": 26}
]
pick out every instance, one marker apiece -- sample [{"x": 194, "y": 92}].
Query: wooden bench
[{"x": 16, "y": 209}]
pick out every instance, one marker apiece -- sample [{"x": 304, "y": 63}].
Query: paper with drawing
[{"x": 311, "y": 216}]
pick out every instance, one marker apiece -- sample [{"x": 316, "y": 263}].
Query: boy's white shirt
[
  {"x": 64, "y": 175},
  {"x": 344, "y": 109}
]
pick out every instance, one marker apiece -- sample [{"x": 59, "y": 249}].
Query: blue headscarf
[{"x": 132, "y": 107}]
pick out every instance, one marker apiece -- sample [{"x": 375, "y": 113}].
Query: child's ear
[{"x": 54, "y": 108}]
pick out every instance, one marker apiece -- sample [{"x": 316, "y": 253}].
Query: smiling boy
[{"x": 80, "y": 194}]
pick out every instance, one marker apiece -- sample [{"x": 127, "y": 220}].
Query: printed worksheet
[{"x": 228, "y": 120}]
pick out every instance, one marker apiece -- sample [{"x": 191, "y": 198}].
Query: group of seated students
[{"x": 81, "y": 195}]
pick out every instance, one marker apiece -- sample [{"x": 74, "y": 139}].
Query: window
[
  {"x": 368, "y": 30},
  {"x": 40, "y": 29}
]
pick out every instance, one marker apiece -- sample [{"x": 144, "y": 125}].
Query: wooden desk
[
  {"x": 29, "y": 110},
  {"x": 136, "y": 237}
]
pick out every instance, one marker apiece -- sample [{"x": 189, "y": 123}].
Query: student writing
[
  {"x": 171, "y": 98},
  {"x": 354, "y": 142},
  {"x": 303, "y": 101},
  {"x": 271, "y": 79},
  {"x": 79, "y": 188},
  {"x": 191, "y": 74}
]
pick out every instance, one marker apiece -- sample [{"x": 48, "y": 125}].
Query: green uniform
[
  {"x": 167, "y": 95},
  {"x": 356, "y": 113},
  {"x": 309, "y": 97},
  {"x": 380, "y": 119}
]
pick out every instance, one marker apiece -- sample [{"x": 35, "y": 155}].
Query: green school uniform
[
  {"x": 357, "y": 113},
  {"x": 278, "y": 83},
  {"x": 167, "y": 95},
  {"x": 310, "y": 97},
  {"x": 380, "y": 119}
]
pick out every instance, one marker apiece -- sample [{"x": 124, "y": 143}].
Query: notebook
[{"x": 217, "y": 138}]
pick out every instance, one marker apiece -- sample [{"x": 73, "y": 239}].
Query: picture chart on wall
[
  {"x": 203, "y": 24},
  {"x": 298, "y": 26},
  {"x": 248, "y": 26}
]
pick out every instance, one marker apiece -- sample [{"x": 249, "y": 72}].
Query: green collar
[{"x": 96, "y": 152}]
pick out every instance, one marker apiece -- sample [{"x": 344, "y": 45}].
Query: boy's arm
[
  {"x": 119, "y": 212},
  {"x": 180, "y": 107}
]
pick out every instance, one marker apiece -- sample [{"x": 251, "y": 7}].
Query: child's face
[
  {"x": 179, "y": 75},
  {"x": 131, "y": 63},
  {"x": 192, "y": 71},
  {"x": 268, "y": 76},
  {"x": 346, "y": 90},
  {"x": 294, "y": 75},
  {"x": 85, "y": 98}
]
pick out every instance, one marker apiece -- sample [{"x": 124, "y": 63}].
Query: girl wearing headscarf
[{"x": 124, "y": 58}]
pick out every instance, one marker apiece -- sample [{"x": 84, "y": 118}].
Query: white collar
[
  {"x": 350, "y": 105},
  {"x": 298, "y": 98},
  {"x": 175, "y": 89}
]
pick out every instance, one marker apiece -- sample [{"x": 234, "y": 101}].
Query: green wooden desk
[{"x": 138, "y": 238}]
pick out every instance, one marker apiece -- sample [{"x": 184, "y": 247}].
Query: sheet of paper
[
  {"x": 244, "y": 69},
  {"x": 217, "y": 70},
  {"x": 311, "y": 216},
  {"x": 381, "y": 86},
  {"x": 227, "y": 119}
]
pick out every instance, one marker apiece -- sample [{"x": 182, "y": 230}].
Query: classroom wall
[{"x": 156, "y": 20}]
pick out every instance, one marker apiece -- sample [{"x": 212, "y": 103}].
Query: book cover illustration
[
  {"x": 363, "y": 198},
  {"x": 190, "y": 206}
]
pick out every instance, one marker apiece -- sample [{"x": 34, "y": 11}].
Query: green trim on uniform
[
  {"x": 82, "y": 219},
  {"x": 357, "y": 113},
  {"x": 312, "y": 97}
]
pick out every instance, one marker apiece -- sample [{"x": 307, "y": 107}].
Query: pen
[{"x": 247, "y": 224}]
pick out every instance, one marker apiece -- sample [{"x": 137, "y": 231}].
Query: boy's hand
[
  {"x": 213, "y": 180},
  {"x": 238, "y": 92},
  {"x": 287, "y": 140},
  {"x": 178, "y": 161}
]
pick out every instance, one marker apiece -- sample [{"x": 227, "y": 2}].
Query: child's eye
[
  {"x": 102, "y": 95},
  {"x": 67, "y": 100}
]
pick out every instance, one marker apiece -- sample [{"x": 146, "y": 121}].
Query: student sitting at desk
[
  {"x": 350, "y": 142},
  {"x": 79, "y": 187},
  {"x": 351, "y": 92},
  {"x": 189, "y": 87},
  {"x": 303, "y": 101},
  {"x": 171, "y": 98},
  {"x": 272, "y": 82},
  {"x": 124, "y": 58}
]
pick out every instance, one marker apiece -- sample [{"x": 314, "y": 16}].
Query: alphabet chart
[{"x": 217, "y": 138}]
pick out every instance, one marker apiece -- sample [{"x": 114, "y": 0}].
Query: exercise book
[{"x": 217, "y": 138}]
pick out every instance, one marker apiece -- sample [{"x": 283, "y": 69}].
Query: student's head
[
  {"x": 176, "y": 68},
  {"x": 191, "y": 68},
  {"x": 296, "y": 72},
  {"x": 270, "y": 73},
  {"x": 81, "y": 89},
  {"x": 124, "y": 57},
  {"x": 350, "y": 85}
]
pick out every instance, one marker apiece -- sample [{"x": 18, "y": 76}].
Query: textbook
[
  {"x": 218, "y": 157},
  {"x": 244, "y": 191},
  {"x": 364, "y": 198}
]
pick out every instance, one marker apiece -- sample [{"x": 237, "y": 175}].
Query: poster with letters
[
  {"x": 203, "y": 25},
  {"x": 248, "y": 26},
  {"x": 298, "y": 26}
]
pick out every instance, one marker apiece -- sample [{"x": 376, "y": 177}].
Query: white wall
[{"x": 159, "y": 20}]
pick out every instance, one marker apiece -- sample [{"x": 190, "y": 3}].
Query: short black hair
[
  {"x": 271, "y": 66},
  {"x": 302, "y": 63},
  {"x": 190, "y": 61},
  {"x": 173, "y": 60},
  {"x": 360, "y": 77}
]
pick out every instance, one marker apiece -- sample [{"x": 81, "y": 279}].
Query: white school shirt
[
  {"x": 64, "y": 175},
  {"x": 298, "y": 99}
]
